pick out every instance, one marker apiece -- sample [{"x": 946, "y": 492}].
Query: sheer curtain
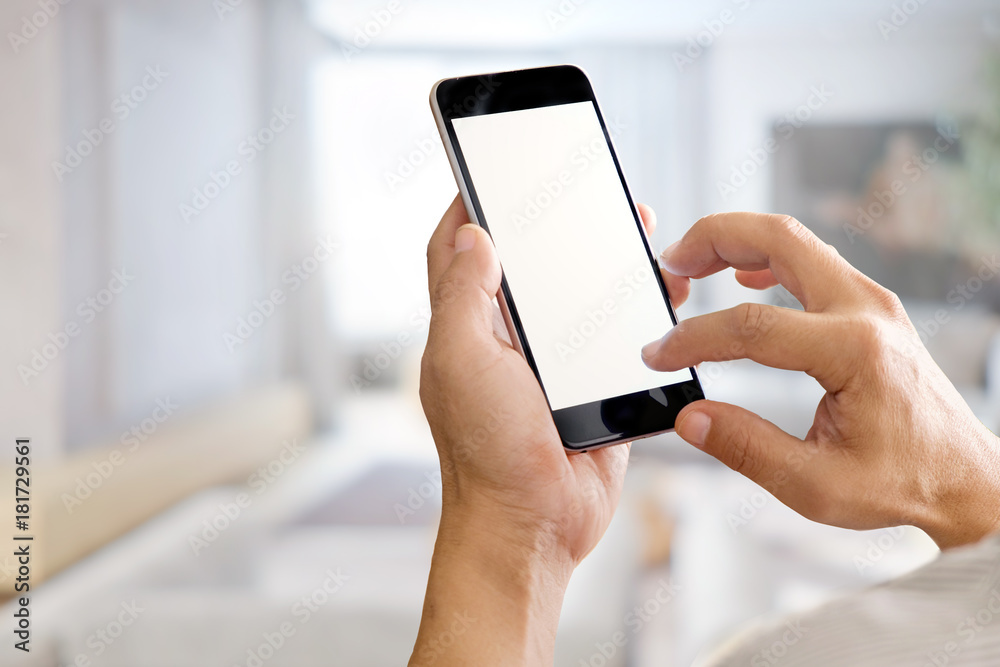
[
  {"x": 386, "y": 179},
  {"x": 198, "y": 271}
]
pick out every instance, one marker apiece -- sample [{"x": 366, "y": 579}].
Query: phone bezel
[{"x": 608, "y": 421}]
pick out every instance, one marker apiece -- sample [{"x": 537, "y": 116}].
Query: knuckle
[
  {"x": 446, "y": 291},
  {"x": 739, "y": 443},
  {"x": 788, "y": 229},
  {"x": 710, "y": 218},
  {"x": 888, "y": 302},
  {"x": 428, "y": 381},
  {"x": 787, "y": 226},
  {"x": 429, "y": 370},
  {"x": 751, "y": 321},
  {"x": 709, "y": 225},
  {"x": 869, "y": 336}
]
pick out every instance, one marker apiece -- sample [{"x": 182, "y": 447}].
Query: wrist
[
  {"x": 518, "y": 551},
  {"x": 494, "y": 594},
  {"x": 967, "y": 507}
]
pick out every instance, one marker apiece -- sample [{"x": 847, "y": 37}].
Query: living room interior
[{"x": 213, "y": 222}]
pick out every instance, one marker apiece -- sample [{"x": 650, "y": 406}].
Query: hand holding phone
[
  {"x": 581, "y": 292},
  {"x": 518, "y": 514}
]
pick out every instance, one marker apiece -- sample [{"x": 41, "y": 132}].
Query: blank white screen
[{"x": 571, "y": 252}]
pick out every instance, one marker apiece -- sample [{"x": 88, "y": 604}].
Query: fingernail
[
  {"x": 665, "y": 255},
  {"x": 650, "y": 350},
  {"x": 695, "y": 428},
  {"x": 465, "y": 238}
]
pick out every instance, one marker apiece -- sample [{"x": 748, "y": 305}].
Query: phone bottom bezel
[{"x": 625, "y": 418}]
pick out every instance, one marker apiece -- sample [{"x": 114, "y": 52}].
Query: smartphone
[{"x": 581, "y": 291}]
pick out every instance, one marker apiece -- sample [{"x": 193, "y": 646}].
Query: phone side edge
[
  {"x": 449, "y": 150},
  {"x": 463, "y": 190}
]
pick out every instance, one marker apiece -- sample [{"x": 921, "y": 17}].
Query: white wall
[
  {"x": 67, "y": 233},
  {"x": 196, "y": 275},
  {"x": 31, "y": 252},
  {"x": 162, "y": 336}
]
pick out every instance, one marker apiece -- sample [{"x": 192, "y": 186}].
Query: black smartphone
[{"x": 581, "y": 291}]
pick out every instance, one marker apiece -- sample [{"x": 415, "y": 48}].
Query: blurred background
[{"x": 213, "y": 217}]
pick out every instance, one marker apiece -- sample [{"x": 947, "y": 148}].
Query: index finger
[{"x": 811, "y": 270}]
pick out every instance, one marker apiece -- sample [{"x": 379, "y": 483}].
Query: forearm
[{"x": 493, "y": 596}]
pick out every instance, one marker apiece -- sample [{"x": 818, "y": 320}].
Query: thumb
[
  {"x": 750, "y": 445},
  {"x": 463, "y": 297}
]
